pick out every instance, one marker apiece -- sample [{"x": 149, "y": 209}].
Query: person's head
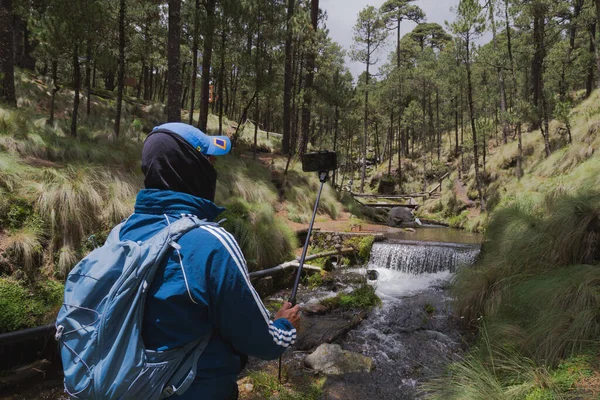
[{"x": 180, "y": 157}]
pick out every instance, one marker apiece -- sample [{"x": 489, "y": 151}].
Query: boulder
[
  {"x": 401, "y": 217},
  {"x": 314, "y": 309},
  {"x": 245, "y": 386},
  {"x": 331, "y": 359}
]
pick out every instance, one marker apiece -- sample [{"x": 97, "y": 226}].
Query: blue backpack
[{"x": 99, "y": 325}]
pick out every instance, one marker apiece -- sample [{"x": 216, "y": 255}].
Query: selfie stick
[{"x": 323, "y": 175}]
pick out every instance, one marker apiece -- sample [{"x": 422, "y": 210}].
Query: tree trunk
[
  {"x": 206, "y": 62},
  {"x": 7, "y": 68},
  {"x": 310, "y": 78},
  {"x": 597, "y": 43},
  {"x": 500, "y": 78},
  {"x": 88, "y": 77},
  {"x": 391, "y": 142},
  {"x": 256, "y": 118},
  {"x": 222, "y": 76},
  {"x": 109, "y": 80},
  {"x": 194, "y": 61},
  {"x": 538, "y": 58},
  {"x": 366, "y": 121},
  {"x": 400, "y": 104},
  {"x": 55, "y": 90},
  {"x": 76, "y": 86},
  {"x": 456, "y": 126},
  {"x": 121, "y": 78},
  {"x": 288, "y": 80},
  {"x": 185, "y": 87},
  {"x": 138, "y": 90},
  {"x": 174, "y": 67},
  {"x": 516, "y": 89},
  {"x": 335, "y": 137},
  {"x": 473, "y": 126},
  {"x": 438, "y": 131},
  {"x": 589, "y": 82}
]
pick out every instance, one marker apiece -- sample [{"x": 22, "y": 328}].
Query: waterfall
[{"x": 422, "y": 257}]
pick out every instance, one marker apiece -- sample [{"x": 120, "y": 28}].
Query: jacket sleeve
[{"x": 236, "y": 309}]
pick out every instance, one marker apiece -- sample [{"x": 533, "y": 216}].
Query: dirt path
[{"x": 461, "y": 194}]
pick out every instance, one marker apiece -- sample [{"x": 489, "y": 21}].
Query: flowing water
[{"x": 412, "y": 336}]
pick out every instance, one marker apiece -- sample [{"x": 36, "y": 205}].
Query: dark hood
[{"x": 170, "y": 163}]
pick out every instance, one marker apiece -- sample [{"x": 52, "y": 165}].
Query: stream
[{"x": 413, "y": 336}]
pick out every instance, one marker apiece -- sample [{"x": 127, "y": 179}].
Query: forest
[{"x": 497, "y": 110}]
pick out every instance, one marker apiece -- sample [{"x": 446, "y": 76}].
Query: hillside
[
  {"x": 570, "y": 168},
  {"x": 60, "y": 196}
]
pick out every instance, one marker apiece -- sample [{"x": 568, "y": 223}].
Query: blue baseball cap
[{"x": 203, "y": 143}]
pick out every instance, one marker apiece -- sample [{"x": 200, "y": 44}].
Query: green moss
[
  {"x": 24, "y": 307},
  {"x": 362, "y": 245},
  {"x": 363, "y": 297},
  {"x": 315, "y": 280},
  {"x": 429, "y": 309},
  {"x": 268, "y": 387},
  {"x": 273, "y": 306}
]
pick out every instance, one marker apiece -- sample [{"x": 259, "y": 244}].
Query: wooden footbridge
[{"x": 401, "y": 200}]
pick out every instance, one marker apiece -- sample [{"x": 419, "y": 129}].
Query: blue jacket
[{"x": 212, "y": 294}]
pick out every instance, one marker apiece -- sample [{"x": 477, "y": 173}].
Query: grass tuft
[
  {"x": 24, "y": 249},
  {"x": 265, "y": 240}
]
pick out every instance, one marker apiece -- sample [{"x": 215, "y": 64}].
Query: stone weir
[{"x": 414, "y": 257}]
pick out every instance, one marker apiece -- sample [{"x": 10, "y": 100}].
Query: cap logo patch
[{"x": 220, "y": 143}]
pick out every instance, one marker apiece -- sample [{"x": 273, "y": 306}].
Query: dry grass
[{"x": 24, "y": 248}]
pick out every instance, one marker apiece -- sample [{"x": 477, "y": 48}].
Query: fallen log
[
  {"x": 346, "y": 250},
  {"x": 26, "y": 373},
  {"x": 282, "y": 267}
]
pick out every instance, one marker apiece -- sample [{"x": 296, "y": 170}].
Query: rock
[
  {"x": 401, "y": 217},
  {"x": 245, "y": 386},
  {"x": 372, "y": 275},
  {"x": 314, "y": 309},
  {"x": 264, "y": 286},
  {"x": 332, "y": 360}
]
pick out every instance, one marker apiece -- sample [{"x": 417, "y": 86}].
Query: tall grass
[
  {"x": 265, "y": 240},
  {"x": 24, "y": 248},
  {"x": 245, "y": 178},
  {"x": 79, "y": 200},
  {"x": 538, "y": 282},
  {"x": 491, "y": 372},
  {"x": 11, "y": 172},
  {"x": 70, "y": 201}
]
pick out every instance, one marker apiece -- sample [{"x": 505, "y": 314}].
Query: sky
[{"x": 342, "y": 15}]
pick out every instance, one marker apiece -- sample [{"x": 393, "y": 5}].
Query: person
[{"x": 205, "y": 289}]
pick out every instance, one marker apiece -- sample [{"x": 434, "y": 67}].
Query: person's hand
[{"x": 290, "y": 313}]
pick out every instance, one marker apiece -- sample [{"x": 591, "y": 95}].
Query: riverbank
[{"x": 412, "y": 337}]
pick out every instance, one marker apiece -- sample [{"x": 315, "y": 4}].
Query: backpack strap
[
  {"x": 185, "y": 374},
  {"x": 178, "y": 229}
]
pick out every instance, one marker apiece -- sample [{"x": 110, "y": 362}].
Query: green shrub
[{"x": 25, "y": 307}]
